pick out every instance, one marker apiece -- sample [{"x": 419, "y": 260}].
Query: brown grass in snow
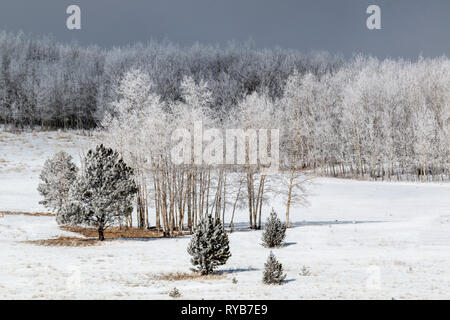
[
  {"x": 118, "y": 233},
  {"x": 65, "y": 242},
  {"x": 34, "y": 214},
  {"x": 180, "y": 276}
]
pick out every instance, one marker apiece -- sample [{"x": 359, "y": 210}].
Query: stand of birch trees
[{"x": 380, "y": 120}]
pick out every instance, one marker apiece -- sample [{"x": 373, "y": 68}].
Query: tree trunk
[
  {"x": 235, "y": 204},
  {"x": 288, "y": 205},
  {"x": 101, "y": 236}
]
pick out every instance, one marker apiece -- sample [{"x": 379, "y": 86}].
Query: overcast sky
[{"x": 409, "y": 27}]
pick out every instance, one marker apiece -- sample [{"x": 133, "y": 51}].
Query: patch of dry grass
[
  {"x": 91, "y": 234},
  {"x": 117, "y": 233},
  {"x": 35, "y": 214},
  {"x": 63, "y": 137},
  {"x": 180, "y": 276},
  {"x": 65, "y": 242}
]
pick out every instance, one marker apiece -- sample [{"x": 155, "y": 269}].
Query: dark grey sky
[{"x": 409, "y": 27}]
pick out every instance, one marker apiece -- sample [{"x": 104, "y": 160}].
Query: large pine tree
[
  {"x": 209, "y": 246},
  {"x": 102, "y": 194}
]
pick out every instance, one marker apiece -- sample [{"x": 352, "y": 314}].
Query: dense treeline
[{"x": 53, "y": 85}]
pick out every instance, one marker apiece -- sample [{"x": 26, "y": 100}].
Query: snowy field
[
  {"x": 21, "y": 159},
  {"x": 359, "y": 240}
]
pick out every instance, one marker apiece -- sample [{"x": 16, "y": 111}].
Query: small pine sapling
[
  {"x": 274, "y": 231},
  {"x": 273, "y": 271},
  {"x": 175, "y": 293},
  {"x": 209, "y": 246},
  {"x": 305, "y": 271}
]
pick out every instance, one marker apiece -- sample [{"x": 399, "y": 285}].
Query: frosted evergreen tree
[
  {"x": 209, "y": 246},
  {"x": 103, "y": 192},
  {"x": 57, "y": 176},
  {"x": 274, "y": 231},
  {"x": 273, "y": 271}
]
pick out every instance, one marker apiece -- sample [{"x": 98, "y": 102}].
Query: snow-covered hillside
[{"x": 358, "y": 239}]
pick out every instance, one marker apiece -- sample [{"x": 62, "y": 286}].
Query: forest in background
[{"x": 52, "y": 85}]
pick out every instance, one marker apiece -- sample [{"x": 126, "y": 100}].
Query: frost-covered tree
[
  {"x": 299, "y": 102},
  {"x": 102, "y": 193},
  {"x": 209, "y": 246},
  {"x": 256, "y": 111},
  {"x": 274, "y": 231},
  {"x": 273, "y": 271},
  {"x": 57, "y": 176},
  {"x": 138, "y": 130}
]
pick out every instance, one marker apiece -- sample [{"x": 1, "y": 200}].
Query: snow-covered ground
[
  {"x": 21, "y": 159},
  {"x": 359, "y": 240}
]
